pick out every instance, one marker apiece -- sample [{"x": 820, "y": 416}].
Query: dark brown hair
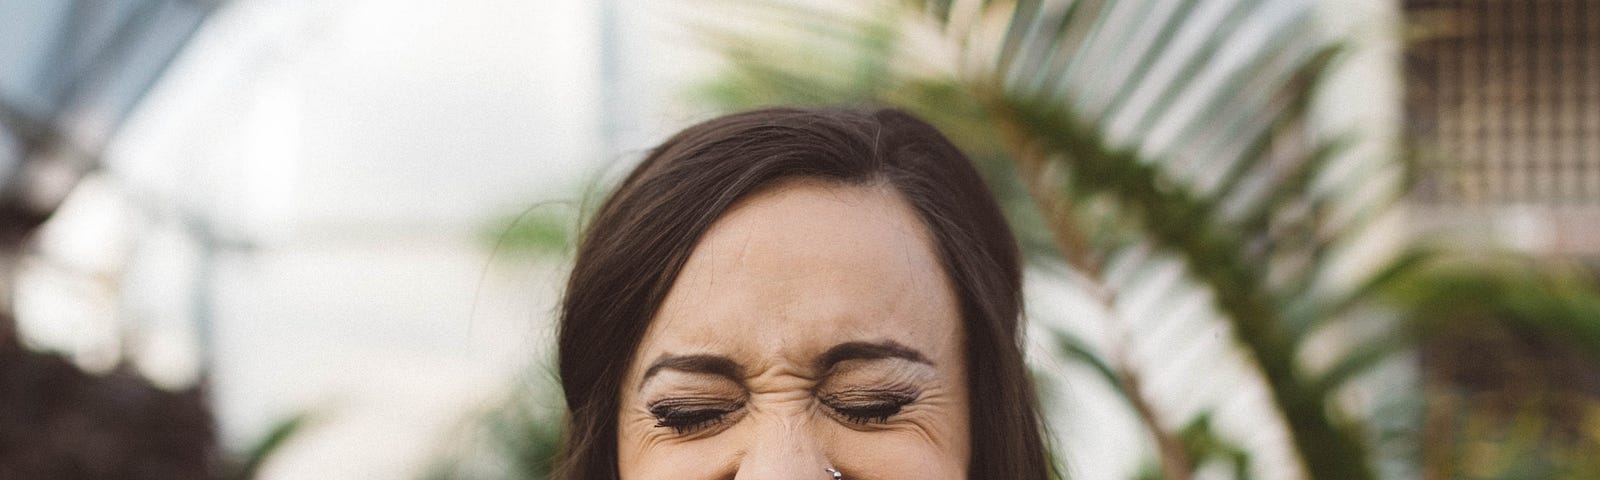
[{"x": 642, "y": 235}]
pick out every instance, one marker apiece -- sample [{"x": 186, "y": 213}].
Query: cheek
[
  {"x": 904, "y": 454},
  {"x": 932, "y": 442},
  {"x": 923, "y": 452},
  {"x": 888, "y": 459},
  {"x": 652, "y": 459}
]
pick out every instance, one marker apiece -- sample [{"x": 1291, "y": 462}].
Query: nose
[{"x": 784, "y": 449}]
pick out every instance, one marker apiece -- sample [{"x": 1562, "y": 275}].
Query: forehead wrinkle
[
  {"x": 893, "y": 234},
  {"x": 744, "y": 250}
]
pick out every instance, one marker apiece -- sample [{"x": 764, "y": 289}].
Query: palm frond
[
  {"x": 1178, "y": 129},
  {"x": 248, "y": 466}
]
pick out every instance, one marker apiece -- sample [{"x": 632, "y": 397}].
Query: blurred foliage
[
  {"x": 247, "y": 464},
  {"x": 1123, "y": 149},
  {"x": 1120, "y": 135},
  {"x": 539, "y": 230},
  {"x": 1513, "y": 388},
  {"x": 516, "y": 436},
  {"x": 1522, "y": 296},
  {"x": 1200, "y": 438},
  {"x": 1129, "y": 137},
  {"x": 1488, "y": 441}
]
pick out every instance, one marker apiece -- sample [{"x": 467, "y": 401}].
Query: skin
[{"x": 747, "y": 348}]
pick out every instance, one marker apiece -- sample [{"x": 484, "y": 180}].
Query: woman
[{"x": 795, "y": 294}]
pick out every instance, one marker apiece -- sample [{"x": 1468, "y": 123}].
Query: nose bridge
[{"x": 783, "y": 447}]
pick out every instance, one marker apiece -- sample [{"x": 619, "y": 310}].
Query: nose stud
[{"x": 835, "y": 473}]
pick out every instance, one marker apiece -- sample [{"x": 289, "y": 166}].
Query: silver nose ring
[{"x": 835, "y": 473}]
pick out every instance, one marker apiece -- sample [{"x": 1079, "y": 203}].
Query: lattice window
[{"x": 1503, "y": 97}]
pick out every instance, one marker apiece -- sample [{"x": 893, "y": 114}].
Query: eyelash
[
  {"x": 882, "y": 406},
  {"x": 684, "y": 420}
]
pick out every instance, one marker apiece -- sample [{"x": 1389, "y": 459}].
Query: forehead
[{"x": 802, "y": 266}]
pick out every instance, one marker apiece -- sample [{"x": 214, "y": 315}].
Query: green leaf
[
  {"x": 1073, "y": 347},
  {"x": 249, "y": 464},
  {"x": 539, "y": 231}
]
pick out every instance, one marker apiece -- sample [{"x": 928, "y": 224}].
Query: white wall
[{"x": 348, "y": 157}]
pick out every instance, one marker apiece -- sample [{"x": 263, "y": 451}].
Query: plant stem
[
  {"x": 1178, "y": 222},
  {"x": 1064, "y": 228}
]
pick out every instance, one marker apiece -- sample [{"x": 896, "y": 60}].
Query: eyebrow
[
  {"x": 709, "y": 364},
  {"x": 868, "y": 351},
  {"x": 725, "y": 367}
]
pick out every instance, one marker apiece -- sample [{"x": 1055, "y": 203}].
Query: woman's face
[{"x": 812, "y": 327}]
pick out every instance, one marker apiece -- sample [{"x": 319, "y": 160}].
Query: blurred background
[{"x": 1322, "y": 239}]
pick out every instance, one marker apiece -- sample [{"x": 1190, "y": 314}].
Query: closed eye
[
  {"x": 863, "y": 407},
  {"x": 691, "y": 417}
]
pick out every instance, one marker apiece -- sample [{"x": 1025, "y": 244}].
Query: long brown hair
[{"x": 644, "y": 232}]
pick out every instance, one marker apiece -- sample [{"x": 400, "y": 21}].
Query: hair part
[{"x": 645, "y": 231}]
